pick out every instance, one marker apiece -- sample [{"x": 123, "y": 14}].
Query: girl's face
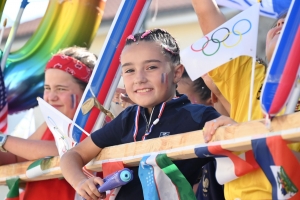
[
  {"x": 272, "y": 38},
  {"x": 62, "y": 92},
  {"x": 148, "y": 75}
]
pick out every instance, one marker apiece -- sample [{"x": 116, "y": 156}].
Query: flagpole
[
  {"x": 12, "y": 34},
  {"x": 251, "y": 88},
  {"x": 252, "y": 83}
]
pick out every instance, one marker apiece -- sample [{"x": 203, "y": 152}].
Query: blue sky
[{"x": 35, "y": 9}]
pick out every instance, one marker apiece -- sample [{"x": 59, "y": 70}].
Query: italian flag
[{"x": 37, "y": 168}]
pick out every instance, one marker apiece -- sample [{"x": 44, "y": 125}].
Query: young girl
[
  {"x": 66, "y": 76},
  {"x": 151, "y": 69}
]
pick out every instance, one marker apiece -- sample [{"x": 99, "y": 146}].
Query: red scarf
[{"x": 70, "y": 65}]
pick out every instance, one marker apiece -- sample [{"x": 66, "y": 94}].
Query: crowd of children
[{"x": 160, "y": 97}]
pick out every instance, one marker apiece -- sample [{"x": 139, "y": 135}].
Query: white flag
[
  {"x": 232, "y": 39},
  {"x": 59, "y": 125}
]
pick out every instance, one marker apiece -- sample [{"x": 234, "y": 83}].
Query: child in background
[
  {"x": 198, "y": 93},
  {"x": 233, "y": 83},
  {"x": 151, "y": 69},
  {"x": 66, "y": 75}
]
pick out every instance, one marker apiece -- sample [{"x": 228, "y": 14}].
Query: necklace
[{"x": 137, "y": 115}]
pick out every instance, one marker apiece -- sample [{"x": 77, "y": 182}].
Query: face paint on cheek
[
  {"x": 74, "y": 100},
  {"x": 164, "y": 78}
]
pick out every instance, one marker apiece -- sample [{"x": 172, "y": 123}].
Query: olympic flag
[{"x": 232, "y": 39}]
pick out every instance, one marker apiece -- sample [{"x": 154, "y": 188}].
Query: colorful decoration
[{"x": 64, "y": 24}]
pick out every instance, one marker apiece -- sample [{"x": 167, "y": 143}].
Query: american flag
[{"x": 3, "y": 105}]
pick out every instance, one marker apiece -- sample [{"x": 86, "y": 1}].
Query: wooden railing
[{"x": 180, "y": 146}]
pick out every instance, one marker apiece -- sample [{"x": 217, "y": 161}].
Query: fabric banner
[
  {"x": 13, "y": 186},
  {"x": 230, "y": 40},
  {"x": 161, "y": 179},
  {"x": 280, "y": 166},
  {"x": 229, "y": 165}
]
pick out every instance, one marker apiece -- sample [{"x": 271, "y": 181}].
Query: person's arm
[
  {"x": 20, "y": 150},
  {"x": 71, "y": 164},
  {"x": 209, "y": 15}
]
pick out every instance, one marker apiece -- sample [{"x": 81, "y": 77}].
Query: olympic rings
[
  {"x": 225, "y": 45},
  {"x": 214, "y": 40},
  {"x": 213, "y": 52},
  {"x": 225, "y": 38},
  {"x": 202, "y": 46},
  {"x": 250, "y": 26}
]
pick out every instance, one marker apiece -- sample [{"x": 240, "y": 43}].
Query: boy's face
[{"x": 148, "y": 75}]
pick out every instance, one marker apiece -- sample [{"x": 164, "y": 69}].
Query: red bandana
[{"x": 71, "y": 66}]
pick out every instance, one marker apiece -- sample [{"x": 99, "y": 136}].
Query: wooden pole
[{"x": 181, "y": 146}]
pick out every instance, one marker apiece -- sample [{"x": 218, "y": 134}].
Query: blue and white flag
[{"x": 268, "y": 8}]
